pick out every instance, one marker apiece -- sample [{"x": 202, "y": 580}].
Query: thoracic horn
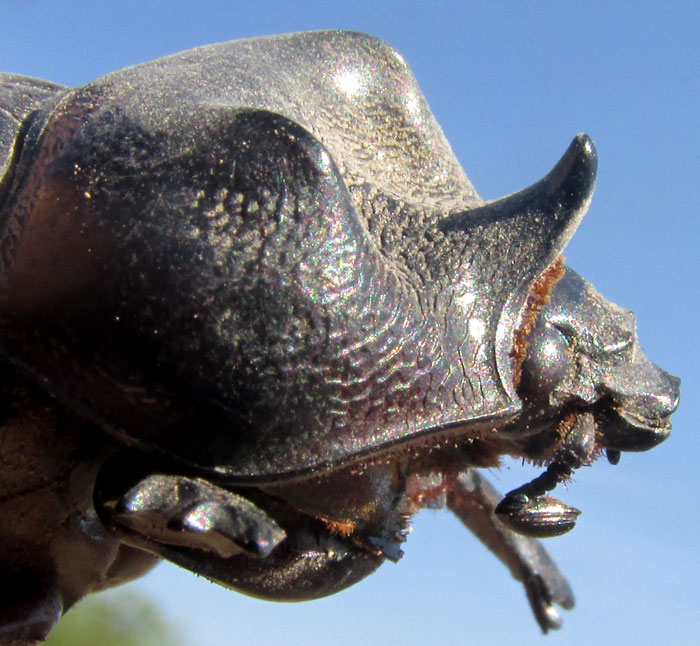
[{"x": 514, "y": 239}]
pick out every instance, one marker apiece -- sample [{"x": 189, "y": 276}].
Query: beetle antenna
[{"x": 528, "y": 511}]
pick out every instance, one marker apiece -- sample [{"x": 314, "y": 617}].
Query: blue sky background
[{"x": 511, "y": 83}]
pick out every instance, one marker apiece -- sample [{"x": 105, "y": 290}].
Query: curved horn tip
[
  {"x": 582, "y": 152},
  {"x": 585, "y": 142},
  {"x": 586, "y": 146},
  {"x": 572, "y": 179}
]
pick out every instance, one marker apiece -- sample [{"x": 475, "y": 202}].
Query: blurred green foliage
[{"x": 115, "y": 618}]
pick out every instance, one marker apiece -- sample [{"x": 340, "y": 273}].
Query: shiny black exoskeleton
[{"x": 253, "y": 316}]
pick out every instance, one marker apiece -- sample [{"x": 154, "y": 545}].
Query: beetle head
[{"x": 584, "y": 354}]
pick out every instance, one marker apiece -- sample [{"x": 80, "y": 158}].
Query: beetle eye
[{"x": 548, "y": 363}]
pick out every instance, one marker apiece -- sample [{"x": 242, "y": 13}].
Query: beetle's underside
[{"x": 253, "y": 316}]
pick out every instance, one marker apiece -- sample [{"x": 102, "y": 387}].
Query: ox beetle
[{"x": 253, "y": 316}]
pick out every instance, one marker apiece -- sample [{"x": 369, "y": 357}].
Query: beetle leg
[
  {"x": 190, "y": 512},
  {"x": 29, "y": 609},
  {"x": 473, "y": 499}
]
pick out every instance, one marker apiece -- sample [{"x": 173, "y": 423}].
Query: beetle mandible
[{"x": 253, "y": 316}]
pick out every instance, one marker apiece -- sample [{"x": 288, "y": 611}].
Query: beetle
[{"x": 253, "y": 316}]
